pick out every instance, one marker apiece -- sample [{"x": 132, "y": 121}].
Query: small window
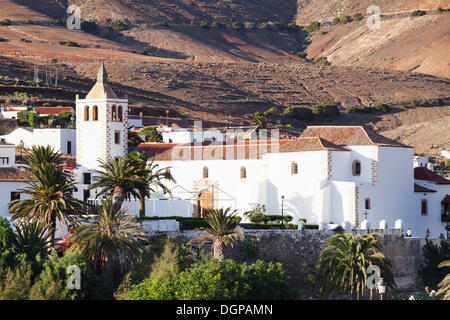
[
  {"x": 95, "y": 113},
  {"x": 356, "y": 168},
  {"x": 243, "y": 173},
  {"x": 294, "y": 168},
  {"x": 117, "y": 137},
  {"x": 15, "y": 195},
  {"x": 205, "y": 172},
  {"x": 119, "y": 114},
  {"x": 424, "y": 207},
  {"x": 87, "y": 178},
  {"x": 4, "y": 160},
  {"x": 367, "y": 204},
  {"x": 86, "y": 113},
  {"x": 113, "y": 113}
]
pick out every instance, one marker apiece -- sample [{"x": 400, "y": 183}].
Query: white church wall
[
  {"x": 342, "y": 202},
  {"x": 7, "y": 151},
  {"x": 432, "y": 220},
  {"x": 301, "y": 191}
]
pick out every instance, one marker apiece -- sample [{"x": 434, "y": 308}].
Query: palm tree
[
  {"x": 342, "y": 265},
  {"x": 120, "y": 178},
  {"x": 40, "y": 155},
  {"x": 221, "y": 229},
  {"x": 109, "y": 238},
  {"x": 49, "y": 198},
  {"x": 153, "y": 177},
  {"x": 32, "y": 239},
  {"x": 444, "y": 285}
]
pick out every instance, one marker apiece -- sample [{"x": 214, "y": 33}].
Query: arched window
[
  {"x": 113, "y": 113},
  {"x": 294, "y": 168},
  {"x": 356, "y": 168},
  {"x": 119, "y": 114},
  {"x": 86, "y": 113},
  {"x": 367, "y": 203},
  {"x": 205, "y": 172},
  {"x": 243, "y": 172},
  {"x": 95, "y": 113}
]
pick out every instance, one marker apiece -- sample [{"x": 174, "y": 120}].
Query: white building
[
  {"x": 11, "y": 113},
  {"x": 330, "y": 174},
  {"x": 422, "y": 161},
  {"x": 432, "y": 203},
  {"x": 61, "y": 140},
  {"x": 11, "y": 178}
]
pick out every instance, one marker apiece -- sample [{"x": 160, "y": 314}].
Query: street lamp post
[
  {"x": 282, "y": 214},
  {"x": 21, "y": 147},
  {"x": 381, "y": 288}
]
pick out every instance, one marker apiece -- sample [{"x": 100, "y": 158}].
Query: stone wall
[{"x": 299, "y": 251}]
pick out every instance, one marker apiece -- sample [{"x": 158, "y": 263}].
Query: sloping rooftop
[
  {"x": 422, "y": 173},
  {"x": 310, "y": 144},
  {"x": 14, "y": 175},
  {"x": 350, "y": 136},
  {"x": 419, "y": 188}
]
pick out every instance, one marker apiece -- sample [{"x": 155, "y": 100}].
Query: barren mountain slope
[
  {"x": 326, "y": 10},
  {"x": 418, "y": 44}
]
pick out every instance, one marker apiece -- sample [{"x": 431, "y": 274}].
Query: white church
[{"x": 330, "y": 174}]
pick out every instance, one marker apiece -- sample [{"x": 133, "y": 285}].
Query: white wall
[
  {"x": 55, "y": 137},
  {"x": 7, "y": 151},
  {"x": 5, "y": 196}
]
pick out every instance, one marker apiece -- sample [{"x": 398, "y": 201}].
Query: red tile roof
[
  {"x": 14, "y": 175},
  {"x": 422, "y": 173},
  {"x": 52, "y": 110},
  {"x": 350, "y": 136},
  {"x": 310, "y": 144},
  {"x": 419, "y": 188}
]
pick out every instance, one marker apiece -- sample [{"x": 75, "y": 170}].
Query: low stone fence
[{"x": 299, "y": 250}]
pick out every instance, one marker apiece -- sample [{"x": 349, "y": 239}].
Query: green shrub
[
  {"x": 29, "y": 21},
  {"x": 6, "y": 235},
  {"x": 313, "y": 26},
  {"x": 325, "y": 110},
  {"x": 264, "y": 25},
  {"x": 5, "y": 22},
  {"x": 237, "y": 25},
  {"x": 16, "y": 282},
  {"x": 418, "y": 13},
  {"x": 53, "y": 60},
  {"x": 51, "y": 283},
  {"x": 163, "y": 23},
  {"x": 302, "y": 54},
  {"x": 311, "y": 226},
  {"x": 117, "y": 25},
  {"x": 69, "y": 44},
  {"x": 272, "y": 112},
  {"x": 151, "y": 134},
  {"x": 59, "y": 22},
  {"x": 358, "y": 17},
  {"x": 346, "y": 19},
  {"x": 382, "y": 107},
  {"x": 433, "y": 255},
  {"x": 292, "y": 26},
  {"x": 336, "y": 21},
  {"x": 351, "y": 109},
  {"x": 299, "y": 113},
  {"x": 322, "y": 61},
  {"x": 204, "y": 24},
  {"x": 321, "y": 32}
]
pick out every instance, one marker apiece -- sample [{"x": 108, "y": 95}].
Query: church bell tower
[{"x": 101, "y": 124}]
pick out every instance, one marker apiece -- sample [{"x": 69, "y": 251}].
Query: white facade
[
  {"x": 7, "y": 155},
  {"x": 422, "y": 161},
  {"x": 61, "y": 140},
  {"x": 185, "y": 135}
]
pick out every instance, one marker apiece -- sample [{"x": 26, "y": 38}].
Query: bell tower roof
[{"x": 101, "y": 89}]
